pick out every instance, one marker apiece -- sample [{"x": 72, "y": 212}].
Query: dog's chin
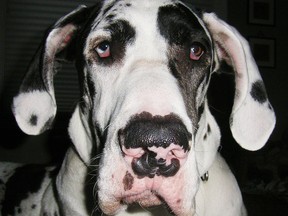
[{"x": 145, "y": 200}]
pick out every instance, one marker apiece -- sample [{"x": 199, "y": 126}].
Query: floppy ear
[
  {"x": 35, "y": 107},
  {"x": 252, "y": 119}
]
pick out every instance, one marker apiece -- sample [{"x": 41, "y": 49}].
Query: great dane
[{"x": 142, "y": 131}]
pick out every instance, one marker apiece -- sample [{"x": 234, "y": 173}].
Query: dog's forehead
[
  {"x": 119, "y": 8},
  {"x": 132, "y": 11},
  {"x": 138, "y": 13}
]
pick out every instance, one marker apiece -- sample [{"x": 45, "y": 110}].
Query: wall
[
  {"x": 2, "y": 48},
  {"x": 275, "y": 79}
]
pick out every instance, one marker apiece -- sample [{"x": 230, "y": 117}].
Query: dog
[{"x": 142, "y": 131}]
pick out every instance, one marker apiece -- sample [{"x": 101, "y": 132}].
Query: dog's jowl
[{"x": 142, "y": 126}]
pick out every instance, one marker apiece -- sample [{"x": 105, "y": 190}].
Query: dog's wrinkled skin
[{"x": 143, "y": 125}]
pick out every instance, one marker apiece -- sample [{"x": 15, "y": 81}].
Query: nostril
[
  {"x": 161, "y": 162},
  {"x": 144, "y": 166},
  {"x": 178, "y": 153},
  {"x": 170, "y": 170},
  {"x": 133, "y": 152},
  {"x": 150, "y": 166}
]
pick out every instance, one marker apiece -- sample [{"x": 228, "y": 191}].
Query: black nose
[{"x": 157, "y": 144}]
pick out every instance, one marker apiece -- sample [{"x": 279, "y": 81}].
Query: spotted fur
[{"x": 149, "y": 70}]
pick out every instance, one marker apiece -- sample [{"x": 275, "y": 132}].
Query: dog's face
[
  {"x": 148, "y": 65},
  {"x": 144, "y": 69}
]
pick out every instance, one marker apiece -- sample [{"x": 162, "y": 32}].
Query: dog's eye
[
  {"x": 103, "y": 49},
  {"x": 196, "y": 51}
]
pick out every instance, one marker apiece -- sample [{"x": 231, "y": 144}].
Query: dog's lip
[{"x": 145, "y": 198}]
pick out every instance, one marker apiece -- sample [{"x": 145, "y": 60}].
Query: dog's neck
[
  {"x": 207, "y": 141},
  {"x": 80, "y": 134},
  {"x": 71, "y": 184}
]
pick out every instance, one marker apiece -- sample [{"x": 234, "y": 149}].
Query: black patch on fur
[
  {"x": 176, "y": 23},
  {"x": 25, "y": 180},
  {"x": 258, "y": 92},
  {"x": 91, "y": 88},
  {"x": 207, "y": 132},
  {"x": 181, "y": 28},
  {"x": 33, "y": 120},
  {"x": 201, "y": 110},
  {"x": 208, "y": 129},
  {"x": 122, "y": 33},
  {"x": 205, "y": 136}
]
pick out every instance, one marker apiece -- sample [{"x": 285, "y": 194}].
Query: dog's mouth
[
  {"x": 150, "y": 192},
  {"x": 146, "y": 192}
]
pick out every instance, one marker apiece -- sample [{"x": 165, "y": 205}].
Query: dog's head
[{"x": 144, "y": 69}]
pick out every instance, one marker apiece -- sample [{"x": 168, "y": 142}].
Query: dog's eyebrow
[
  {"x": 121, "y": 30},
  {"x": 178, "y": 24}
]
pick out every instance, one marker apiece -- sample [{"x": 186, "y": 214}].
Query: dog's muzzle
[{"x": 155, "y": 145}]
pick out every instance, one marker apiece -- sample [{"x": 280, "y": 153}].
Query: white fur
[
  {"x": 79, "y": 133},
  {"x": 38, "y": 103},
  {"x": 247, "y": 113},
  {"x": 206, "y": 150},
  {"x": 141, "y": 82}
]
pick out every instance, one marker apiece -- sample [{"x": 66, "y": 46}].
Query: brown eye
[
  {"x": 103, "y": 49},
  {"x": 196, "y": 51}
]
